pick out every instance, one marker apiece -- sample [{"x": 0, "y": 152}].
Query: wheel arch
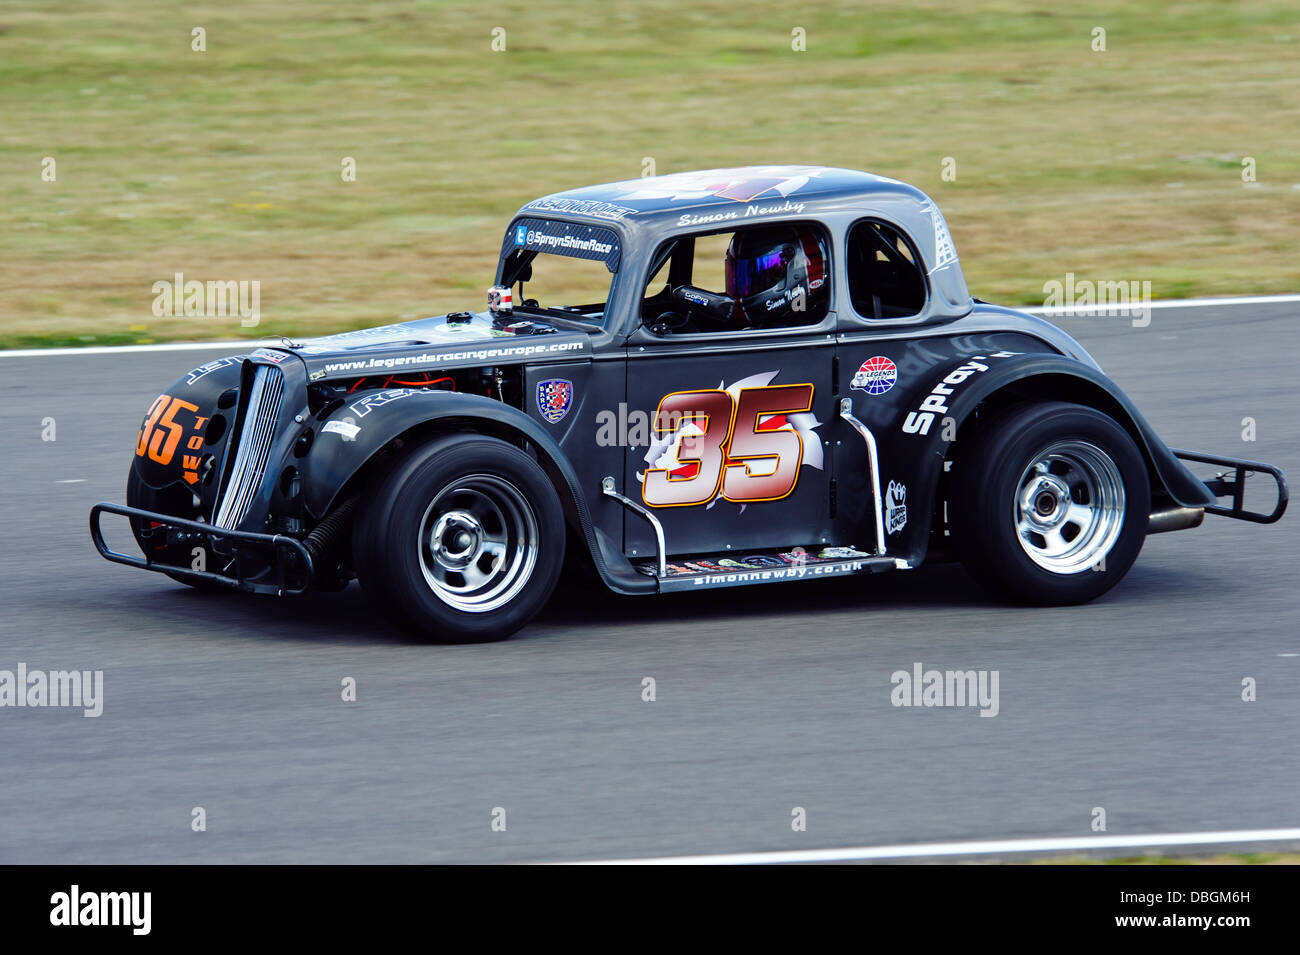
[
  {"x": 336, "y": 466},
  {"x": 1011, "y": 380}
]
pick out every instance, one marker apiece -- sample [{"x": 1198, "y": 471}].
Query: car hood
[{"x": 445, "y": 341}]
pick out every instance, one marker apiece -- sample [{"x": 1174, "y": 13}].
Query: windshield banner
[{"x": 563, "y": 238}]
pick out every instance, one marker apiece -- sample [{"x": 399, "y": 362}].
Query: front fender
[
  {"x": 350, "y": 434},
  {"x": 919, "y": 443}
]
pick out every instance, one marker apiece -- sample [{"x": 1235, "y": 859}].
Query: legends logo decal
[
  {"x": 554, "y": 398},
  {"x": 875, "y": 376}
]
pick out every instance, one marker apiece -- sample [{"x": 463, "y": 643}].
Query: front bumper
[{"x": 257, "y": 563}]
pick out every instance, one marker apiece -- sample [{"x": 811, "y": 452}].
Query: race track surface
[{"x": 767, "y": 698}]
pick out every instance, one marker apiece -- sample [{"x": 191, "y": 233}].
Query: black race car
[{"x": 700, "y": 380}]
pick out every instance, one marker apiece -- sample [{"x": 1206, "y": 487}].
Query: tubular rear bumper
[
  {"x": 291, "y": 563},
  {"x": 1232, "y": 484}
]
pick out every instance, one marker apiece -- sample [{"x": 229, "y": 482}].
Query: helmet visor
[{"x": 756, "y": 273}]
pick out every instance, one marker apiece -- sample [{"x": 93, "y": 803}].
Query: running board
[{"x": 728, "y": 570}]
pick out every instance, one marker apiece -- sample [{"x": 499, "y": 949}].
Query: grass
[
  {"x": 1226, "y": 858},
  {"x": 1123, "y": 164}
]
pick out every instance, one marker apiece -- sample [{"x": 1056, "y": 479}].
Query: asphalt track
[{"x": 767, "y": 698}]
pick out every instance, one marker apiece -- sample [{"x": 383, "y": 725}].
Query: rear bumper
[
  {"x": 249, "y": 554},
  {"x": 1231, "y": 484}
]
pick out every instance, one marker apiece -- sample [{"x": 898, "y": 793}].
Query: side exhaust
[{"x": 1175, "y": 519}]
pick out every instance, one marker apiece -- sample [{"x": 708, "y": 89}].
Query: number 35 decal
[
  {"x": 744, "y": 448},
  {"x": 161, "y": 434}
]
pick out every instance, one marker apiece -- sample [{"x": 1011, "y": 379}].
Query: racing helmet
[{"x": 769, "y": 270}]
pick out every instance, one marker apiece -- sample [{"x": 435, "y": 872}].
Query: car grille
[{"x": 255, "y": 438}]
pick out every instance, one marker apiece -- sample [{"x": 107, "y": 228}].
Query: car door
[{"x": 727, "y": 443}]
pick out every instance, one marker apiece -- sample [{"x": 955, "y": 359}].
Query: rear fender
[{"x": 924, "y": 437}]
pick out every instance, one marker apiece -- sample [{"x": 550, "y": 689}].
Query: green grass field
[{"x": 225, "y": 165}]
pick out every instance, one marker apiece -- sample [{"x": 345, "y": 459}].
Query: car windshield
[{"x": 561, "y": 268}]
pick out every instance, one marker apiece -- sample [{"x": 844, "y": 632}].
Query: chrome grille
[{"x": 255, "y": 440}]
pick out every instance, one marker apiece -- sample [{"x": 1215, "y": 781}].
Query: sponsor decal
[
  {"x": 936, "y": 402},
  {"x": 745, "y": 443},
  {"x": 485, "y": 353},
  {"x": 536, "y": 238},
  {"x": 267, "y": 354},
  {"x": 895, "y": 507},
  {"x": 210, "y": 367},
  {"x": 564, "y": 238},
  {"x": 160, "y": 435},
  {"x": 705, "y": 566},
  {"x": 584, "y": 207},
  {"x": 875, "y": 376},
  {"x": 781, "y": 573},
  {"x": 841, "y": 553},
  {"x": 554, "y": 398},
  {"x": 345, "y": 428},
  {"x": 368, "y": 403}
]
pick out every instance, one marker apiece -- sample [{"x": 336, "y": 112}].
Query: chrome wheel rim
[
  {"x": 478, "y": 543},
  {"x": 1069, "y": 507}
]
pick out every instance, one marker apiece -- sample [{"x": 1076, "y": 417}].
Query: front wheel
[
  {"x": 462, "y": 540},
  {"x": 1051, "y": 503}
]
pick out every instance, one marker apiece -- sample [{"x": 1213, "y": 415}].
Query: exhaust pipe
[{"x": 1175, "y": 519}]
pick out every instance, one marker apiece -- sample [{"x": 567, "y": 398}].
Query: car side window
[
  {"x": 884, "y": 272},
  {"x": 758, "y": 277}
]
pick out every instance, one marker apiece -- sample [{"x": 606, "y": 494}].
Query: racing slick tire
[
  {"x": 1052, "y": 502},
  {"x": 461, "y": 540}
]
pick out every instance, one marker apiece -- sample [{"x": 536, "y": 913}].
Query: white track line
[
  {"x": 129, "y": 349},
  {"x": 988, "y": 847},
  {"x": 1160, "y": 303},
  {"x": 254, "y": 343}
]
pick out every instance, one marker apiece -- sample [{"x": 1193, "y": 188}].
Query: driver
[{"x": 776, "y": 275}]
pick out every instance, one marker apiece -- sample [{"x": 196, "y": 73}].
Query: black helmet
[{"x": 777, "y": 275}]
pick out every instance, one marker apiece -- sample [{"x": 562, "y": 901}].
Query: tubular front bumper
[
  {"x": 289, "y": 560},
  {"x": 1232, "y": 484}
]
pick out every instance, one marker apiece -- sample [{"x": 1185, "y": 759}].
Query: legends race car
[{"x": 701, "y": 380}]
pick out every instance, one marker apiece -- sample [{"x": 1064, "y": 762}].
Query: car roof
[
  {"x": 730, "y": 192},
  {"x": 650, "y": 210}
]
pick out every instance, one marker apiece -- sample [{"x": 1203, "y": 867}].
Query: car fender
[
  {"x": 347, "y": 437},
  {"x": 916, "y": 449}
]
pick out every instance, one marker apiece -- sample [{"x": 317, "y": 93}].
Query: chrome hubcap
[
  {"x": 478, "y": 543},
  {"x": 1069, "y": 507}
]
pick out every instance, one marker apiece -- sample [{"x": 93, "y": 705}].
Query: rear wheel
[
  {"x": 462, "y": 540},
  {"x": 1051, "y": 503}
]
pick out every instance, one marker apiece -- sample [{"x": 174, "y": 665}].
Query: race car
[{"x": 712, "y": 379}]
